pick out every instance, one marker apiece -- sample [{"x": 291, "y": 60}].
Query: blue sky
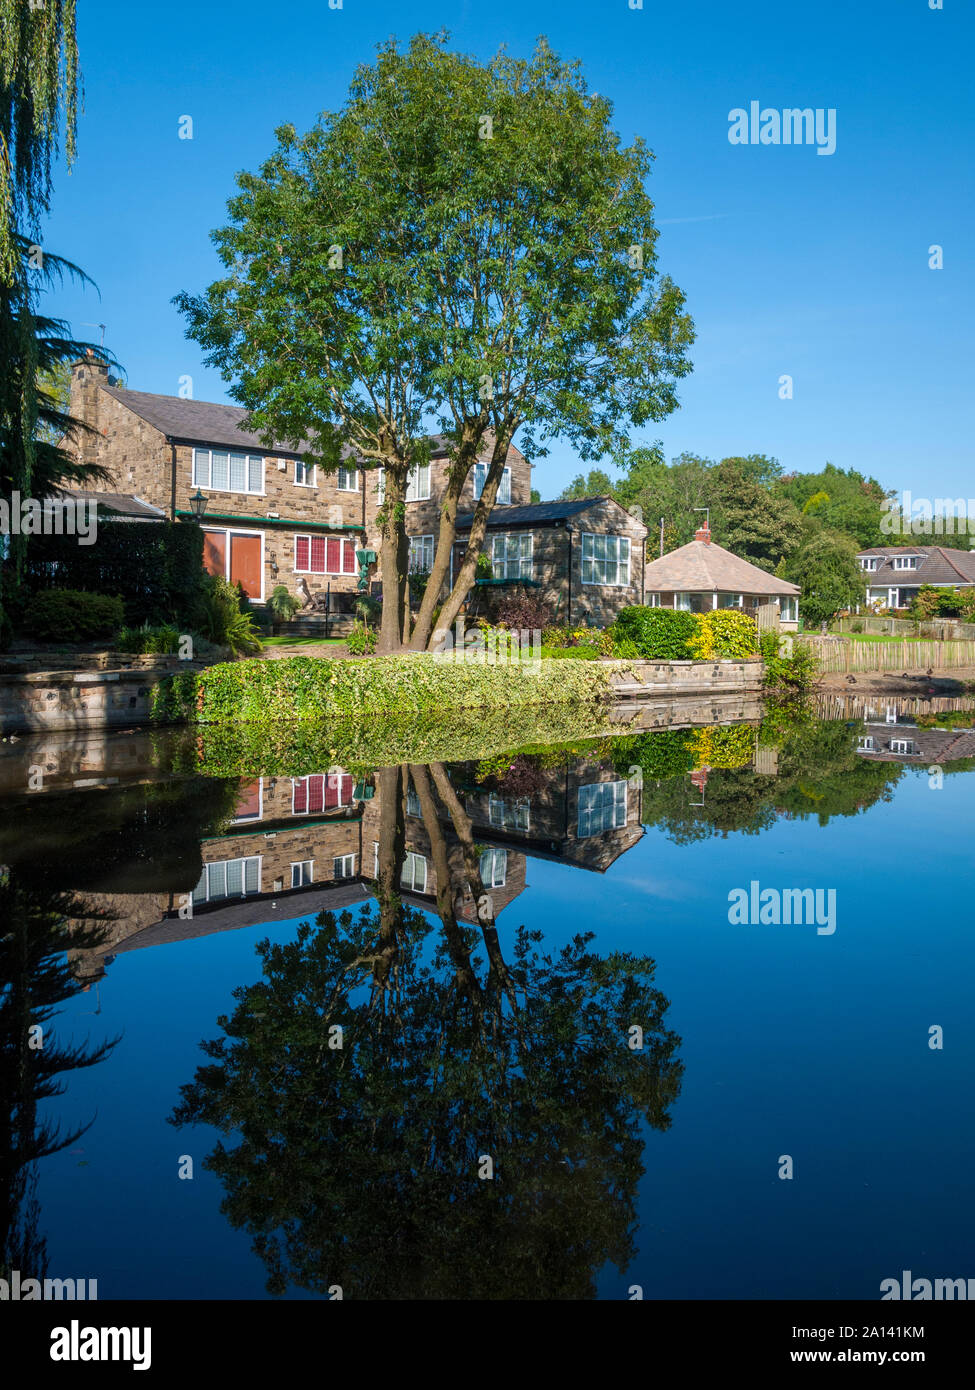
[{"x": 796, "y": 263}]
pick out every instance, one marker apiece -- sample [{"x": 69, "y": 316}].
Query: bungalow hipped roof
[
  {"x": 701, "y": 566},
  {"x": 940, "y": 564}
]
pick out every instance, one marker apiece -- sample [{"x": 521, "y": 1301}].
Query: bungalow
[
  {"x": 701, "y": 575},
  {"x": 895, "y": 573}
]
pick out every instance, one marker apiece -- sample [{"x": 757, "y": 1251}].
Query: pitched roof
[
  {"x": 537, "y": 513},
  {"x": 700, "y": 565},
  {"x": 939, "y": 565},
  {"x": 202, "y": 422},
  {"x": 205, "y": 422}
]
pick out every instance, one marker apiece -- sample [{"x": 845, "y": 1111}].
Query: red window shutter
[
  {"x": 301, "y": 796},
  {"x": 349, "y": 566},
  {"x": 301, "y": 552},
  {"x": 318, "y": 554},
  {"x": 334, "y": 555}
]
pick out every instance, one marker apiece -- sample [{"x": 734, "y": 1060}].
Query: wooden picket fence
[{"x": 834, "y": 657}]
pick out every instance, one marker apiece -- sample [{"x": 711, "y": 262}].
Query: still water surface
[{"x": 439, "y": 1087}]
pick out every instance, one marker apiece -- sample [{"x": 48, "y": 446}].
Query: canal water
[{"x": 679, "y": 1014}]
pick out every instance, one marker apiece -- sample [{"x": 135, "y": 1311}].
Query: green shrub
[
  {"x": 361, "y": 641},
  {"x": 724, "y": 632},
  {"x": 70, "y": 615},
  {"x": 625, "y": 649},
  {"x": 659, "y": 634},
  {"x": 368, "y": 608},
  {"x": 283, "y": 603},
  {"x": 786, "y": 677},
  {"x": 856, "y": 625},
  {"x": 223, "y": 618},
  {"x": 148, "y": 640},
  {"x": 570, "y": 653}
]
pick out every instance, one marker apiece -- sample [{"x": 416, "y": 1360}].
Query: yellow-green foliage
[{"x": 724, "y": 632}]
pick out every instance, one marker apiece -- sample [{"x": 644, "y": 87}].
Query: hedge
[
  {"x": 297, "y": 688},
  {"x": 673, "y": 634},
  {"x": 156, "y": 566},
  {"x": 68, "y": 615}
]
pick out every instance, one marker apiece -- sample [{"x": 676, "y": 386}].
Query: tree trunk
[
  {"x": 392, "y": 559},
  {"x": 467, "y": 453},
  {"x": 465, "y": 576}
]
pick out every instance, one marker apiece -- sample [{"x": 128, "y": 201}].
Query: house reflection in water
[{"x": 297, "y": 846}]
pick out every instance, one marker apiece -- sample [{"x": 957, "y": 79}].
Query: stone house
[
  {"x": 894, "y": 573},
  {"x": 271, "y": 517},
  {"x": 701, "y": 575}
]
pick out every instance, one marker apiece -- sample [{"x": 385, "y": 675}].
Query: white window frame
[
  {"x": 348, "y": 472},
  {"x": 869, "y": 562},
  {"x": 418, "y": 483},
  {"x": 208, "y": 869},
  {"x": 495, "y": 861},
  {"x": 501, "y": 567},
  {"x": 305, "y": 875},
  {"x": 903, "y": 745},
  {"x": 865, "y": 743},
  {"x": 503, "y": 498},
  {"x": 343, "y": 866},
  {"x": 306, "y": 470},
  {"x": 789, "y": 608},
  {"x": 600, "y": 540},
  {"x": 596, "y": 799},
  {"x": 654, "y": 600},
  {"x": 243, "y": 820},
  {"x": 227, "y": 532},
  {"x": 509, "y": 815},
  {"x": 417, "y": 544},
  {"x": 305, "y": 779},
  {"x": 905, "y": 562},
  {"x": 380, "y": 485},
  {"x": 204, "y": 471},
  {"x": 322, "y": 535},
  {"x": 409, "y": 875}
]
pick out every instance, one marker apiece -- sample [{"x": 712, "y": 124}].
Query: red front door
[{"x": 246, "y": 562}]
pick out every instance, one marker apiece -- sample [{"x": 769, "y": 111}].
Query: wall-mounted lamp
[
  {"x": 273, "y": 561},
  {"x": 198, "y": 501}
]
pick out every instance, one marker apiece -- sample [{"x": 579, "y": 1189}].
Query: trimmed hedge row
[
  {"x": 672, "y": 634},
  {"x": 296, "y": 688}
]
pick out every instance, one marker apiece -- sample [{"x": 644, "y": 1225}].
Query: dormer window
[
  {"x": 504, "y": 487},
  {"x": 905, "y": 562},
  {"x": 869, "y": 562}
]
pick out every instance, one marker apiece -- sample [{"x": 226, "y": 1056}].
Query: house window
[
  {"x": 343, "y": 866},
  {"x": 421, "y": 554},
  {"x": 494, "y": 868},
  {"x": 250, "y": 801},
  {"x": 325, "y": 555},
  {"x": 229, "y": 878},
  {"x": 902, "y": 745},
  {"x": 503, "y": 498},
  {"x": 682, "y": 602},
  {"x": 301, "y": 873},
  {"x": 602, "y": 806},
  {"x": 653, "y": 600},
  {"x": 789, "y": 609},
  {"x": 418, "y": 484},
  {"x": 869, "y": 562},
  {"x": 305, "y": 474},
  {"x": 321, "y": 791},
  {"x": 905, "y": 562},
  {"x": 222, "y": 471},
  {"x": 605, "y": 559},
  {"x": 511, "y": 556},
  {"x": 865, "y": 743},
  {"x": 414, "y": 875},
  {"x": 348, "y": 480},
  {"x": 508, "y": 815},
  {"x": 412, "y": 802},
  {"x": 237, "y": 556},
  {"x": 731, "y": 601}
]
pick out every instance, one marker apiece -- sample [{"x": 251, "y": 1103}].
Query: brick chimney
[
  {"x": 703, "y": 534},
  {"x": 88, "y": 375}
]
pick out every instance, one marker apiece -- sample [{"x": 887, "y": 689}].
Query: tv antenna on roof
[{"x": 85, "y": 324}]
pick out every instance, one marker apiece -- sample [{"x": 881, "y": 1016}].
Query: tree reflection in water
[
  {"x": 363, "y": 1165},
  {"x": 37, "y": 927}
]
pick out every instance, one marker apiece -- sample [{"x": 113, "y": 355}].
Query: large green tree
[
  {"x": 465, "y": 245},
  {"x": 826, "y": 568}
]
